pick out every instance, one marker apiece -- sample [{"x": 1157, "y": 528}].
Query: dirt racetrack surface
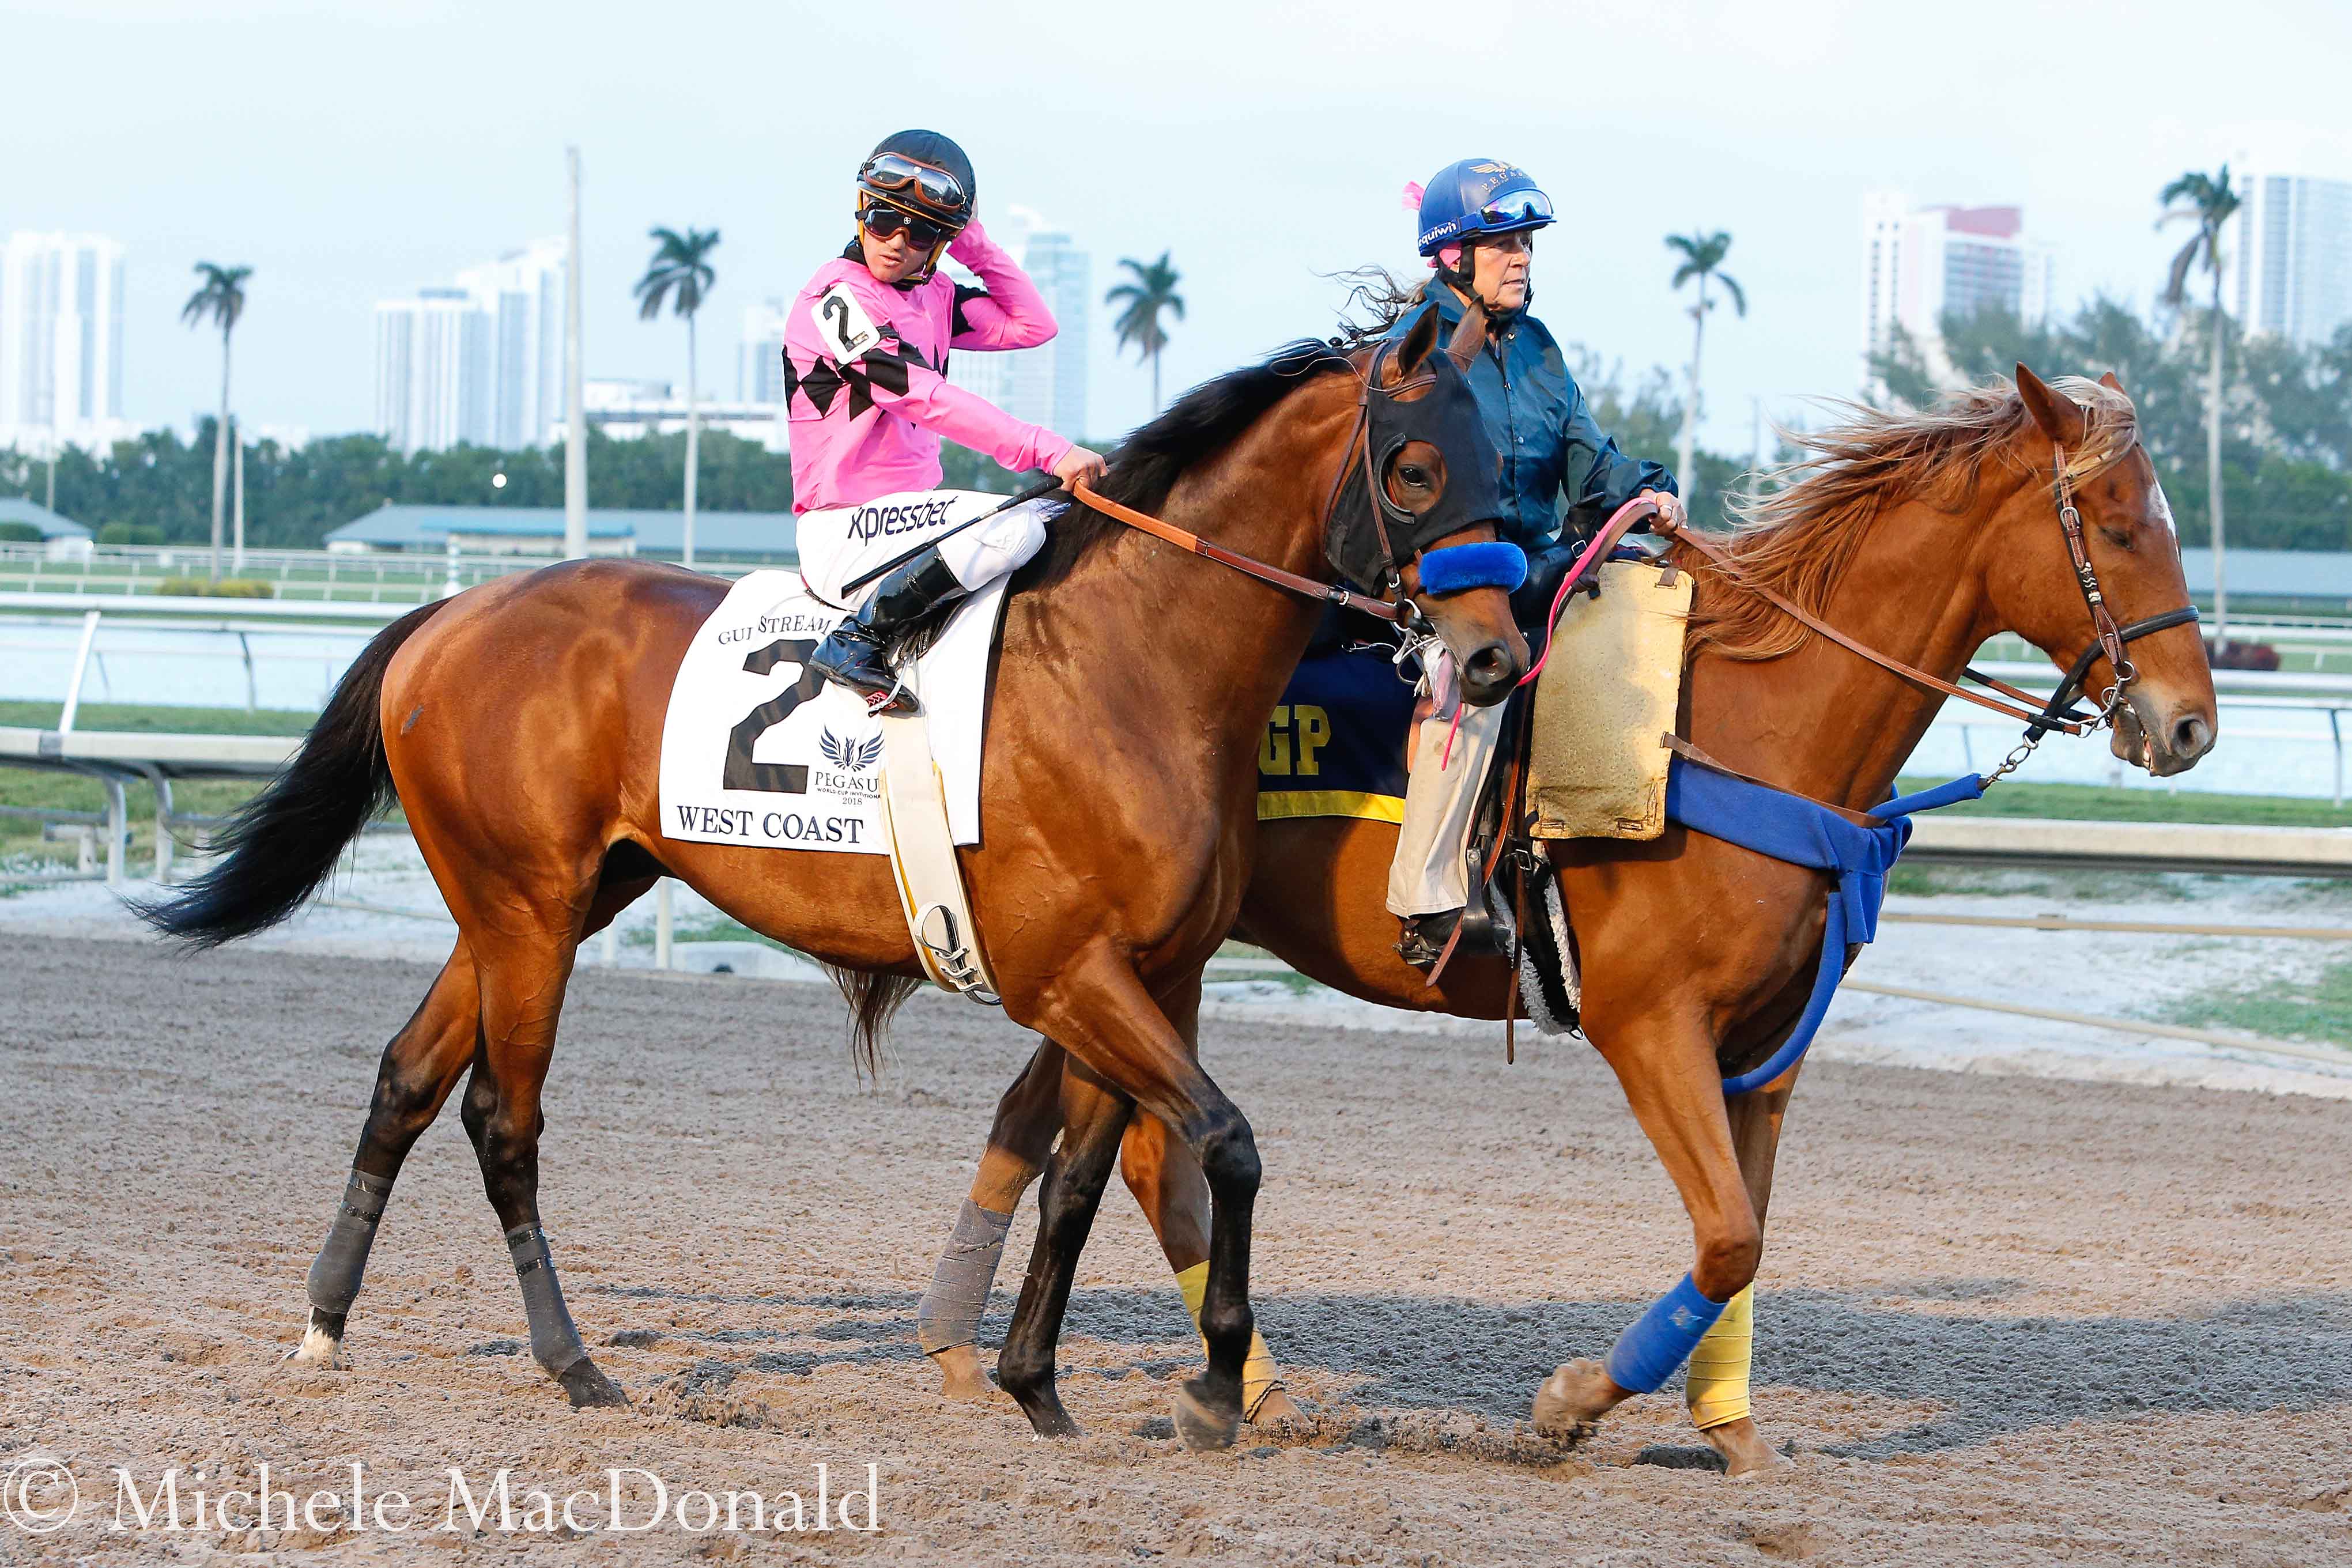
[{"x": 2000, "y": 1320}]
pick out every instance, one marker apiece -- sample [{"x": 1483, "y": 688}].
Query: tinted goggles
[
  {"x": 882, "y": 221},
  {"x": 895, "y": 172},
  {"x": 1519, "y": 207}
]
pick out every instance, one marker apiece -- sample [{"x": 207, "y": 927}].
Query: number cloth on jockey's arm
[{"x": 865, "y": 387}]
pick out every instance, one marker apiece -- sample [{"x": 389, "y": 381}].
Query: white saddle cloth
[{"x": 757, "y": 750}]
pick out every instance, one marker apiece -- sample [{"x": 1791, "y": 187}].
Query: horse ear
[
  {"x": 2107, "y": 380},
  {"x": 1469, "y": 337},
  {"x": 2058, "y": 416},
  {"x": 1416, "y": 346}
]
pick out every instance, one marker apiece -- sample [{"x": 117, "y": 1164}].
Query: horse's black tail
[
  {"x": 873, "y": 998},
  {"x": 281, "y": 846}
]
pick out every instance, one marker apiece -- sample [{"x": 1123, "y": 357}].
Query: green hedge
[{"x": 226, "y": 588}]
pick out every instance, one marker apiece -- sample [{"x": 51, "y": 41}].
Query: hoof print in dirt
[
  {"x": 636, "y": 1339},
  {"x": 1202, "y": 1425},
  {"x": 591, "y": 1389}
]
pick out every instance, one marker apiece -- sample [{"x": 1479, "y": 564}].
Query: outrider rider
[
  {"x": 865, "y": 387},
  {"x": 1479, "y": 220}
]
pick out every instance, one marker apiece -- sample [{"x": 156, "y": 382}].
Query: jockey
[
  {"x": 1478, "y": 222},
  {"x": 866, "y": 388}
]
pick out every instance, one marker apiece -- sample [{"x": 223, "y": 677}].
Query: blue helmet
[{"x": 1479, "y": 196}]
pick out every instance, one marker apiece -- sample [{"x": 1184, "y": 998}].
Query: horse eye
[
  {"x": 1413, "y": 476},
  {"x": 2119, "y": 537}
]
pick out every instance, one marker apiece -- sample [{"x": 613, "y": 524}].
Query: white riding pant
[
  {"x": 841, "y": 544},
  {"x": 1432, "y": 870}
]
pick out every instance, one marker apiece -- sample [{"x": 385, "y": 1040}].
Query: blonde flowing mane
[{"x": 1799, "y": 531}]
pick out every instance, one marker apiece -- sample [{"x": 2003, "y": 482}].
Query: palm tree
[
  {"x": 1702, "y": 257},
  {"x": 680, "y": 272},
  {"x": 219, "y": 298},
  {"x": 1151, "y": 290},
  {"x": 2206, "y": 201}
]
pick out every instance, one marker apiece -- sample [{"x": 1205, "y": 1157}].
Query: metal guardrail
[
  {"x": 2048, "y": 843},
  {"x": 115, "y": 758}
]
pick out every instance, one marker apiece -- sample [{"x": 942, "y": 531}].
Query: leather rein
[
  {"x": 2108, "y": 640},
  {"x": 1402, "y": 611}
]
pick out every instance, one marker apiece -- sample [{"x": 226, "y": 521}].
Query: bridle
[
  {"x": 1400, "y": 611},
  {"x": 2058, "y": 714}
]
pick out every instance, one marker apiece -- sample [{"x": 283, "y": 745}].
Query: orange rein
[{"x": 1306, "y": 587}]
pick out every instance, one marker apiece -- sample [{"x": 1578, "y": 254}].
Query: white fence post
[{"x": 80, "y": 669}]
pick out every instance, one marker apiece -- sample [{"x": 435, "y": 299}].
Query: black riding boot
[{"x": 853, "y": 654}]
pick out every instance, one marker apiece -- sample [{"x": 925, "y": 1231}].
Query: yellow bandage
[
  {"x": 1719, "y": 1365},
  {"x": 1260, "y": 1376}
]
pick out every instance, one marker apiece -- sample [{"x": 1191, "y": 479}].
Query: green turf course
[{"x": 159, "y": 720}]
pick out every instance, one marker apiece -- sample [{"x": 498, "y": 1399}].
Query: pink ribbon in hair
[{"x": 1413, "y": 195}]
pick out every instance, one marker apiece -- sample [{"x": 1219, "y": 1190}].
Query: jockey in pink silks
[{"x": 865, "y": 387}]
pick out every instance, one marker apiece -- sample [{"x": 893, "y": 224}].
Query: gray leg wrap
[
  {"x": 949, "y": 1315},
  {"x": 555, "y": 1342},
  {"x": 335, "y": 1276}
]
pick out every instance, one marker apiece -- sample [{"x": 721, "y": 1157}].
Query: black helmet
[{"x": 922, "y": 172}]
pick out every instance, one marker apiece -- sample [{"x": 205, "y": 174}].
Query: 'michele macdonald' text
[{"x": 626, "y": 1500}]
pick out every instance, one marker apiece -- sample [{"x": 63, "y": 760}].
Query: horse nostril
[
  {"x": 2192, "y": 736},
  {"x": 1489, "y": 667}
]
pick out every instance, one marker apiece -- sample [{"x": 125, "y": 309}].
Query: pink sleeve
[
  {"x": 902, "y": 384},
  {"x": 1011, "y": 314}
]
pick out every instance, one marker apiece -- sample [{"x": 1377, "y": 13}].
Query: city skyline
[
  {"x": 61, "y": 340},
  {"x": 480, "y": 361},
  {"x": 1922, "y": 263},
  {"x": 1779, "y": 122}
]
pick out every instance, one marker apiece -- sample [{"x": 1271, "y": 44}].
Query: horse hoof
[
  {"x": 1277, "y": 1409},
  {"x": 1745, "y": 1452},
  {"x": 1572, "y": 1399},
  {"x": 318, "y": 1348},
  {"x": 590, "y": 1389},
  {"x": 1048, "y": 1419},
  {"x": 963, "y": 1379},
  {"x": 1200, "y": 1424}
]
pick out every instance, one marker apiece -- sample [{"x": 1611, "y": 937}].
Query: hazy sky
[{"x": 352, "y": 153}]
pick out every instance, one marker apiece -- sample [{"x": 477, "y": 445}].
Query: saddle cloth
[
  {"x": 758, "y": 750},
  {"x": 1336, "y": 746}
]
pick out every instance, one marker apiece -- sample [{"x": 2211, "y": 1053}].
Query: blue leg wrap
[{"x": 1662, "y": 1338}]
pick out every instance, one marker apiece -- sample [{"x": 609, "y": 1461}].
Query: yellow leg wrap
[
  {"x": 1717, "y": 1388},
  {"x": 1260, "y": 1376}
]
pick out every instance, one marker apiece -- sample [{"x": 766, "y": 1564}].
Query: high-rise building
[
  {"x": 60, "y": 340},
  {"x": 523, "y": 291},
  {"x": 481, "y": 361},
  {"x": 433, "y": 387},
  {"x": 1046, "y": 385},
  {"x": 759, "y": 360},
  {"x": 1923, "y": 264},
  {"x": 2289, "y": 257}
]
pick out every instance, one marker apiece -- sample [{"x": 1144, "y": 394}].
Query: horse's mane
[
  {"x": 1798, "y": 531},
  {"x": 1199, "y": 425}
]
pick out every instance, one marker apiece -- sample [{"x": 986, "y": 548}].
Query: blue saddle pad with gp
[{"x": 1334, "y": 746}]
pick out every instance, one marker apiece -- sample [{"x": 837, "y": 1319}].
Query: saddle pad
[
  {"x": 758, "y": 750},
  {"x": 1334, "y": 746},
  {"x": 1605, "y": 704}
]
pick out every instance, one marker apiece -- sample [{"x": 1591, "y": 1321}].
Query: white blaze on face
[{"x": 2164, "y": 511}]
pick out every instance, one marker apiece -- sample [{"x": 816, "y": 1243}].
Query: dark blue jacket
[{"x": 1541, "y": 424}]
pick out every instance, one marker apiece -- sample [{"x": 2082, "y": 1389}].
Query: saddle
[{"x": 1587, "y": 752}]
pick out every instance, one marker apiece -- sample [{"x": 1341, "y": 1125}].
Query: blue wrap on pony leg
[
  {"x": 1457, "y": 568},
  {"x": 1661, "y": 1339}
]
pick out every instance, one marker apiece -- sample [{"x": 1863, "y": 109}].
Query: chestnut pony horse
[
  {"x": 519, "y": 725},
  {"x": 1918, "y": 536}
]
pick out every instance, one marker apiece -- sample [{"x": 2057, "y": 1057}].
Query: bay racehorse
[
  {"x": 1918, "y": 536},
  {"x": 519, "y": 726}
]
